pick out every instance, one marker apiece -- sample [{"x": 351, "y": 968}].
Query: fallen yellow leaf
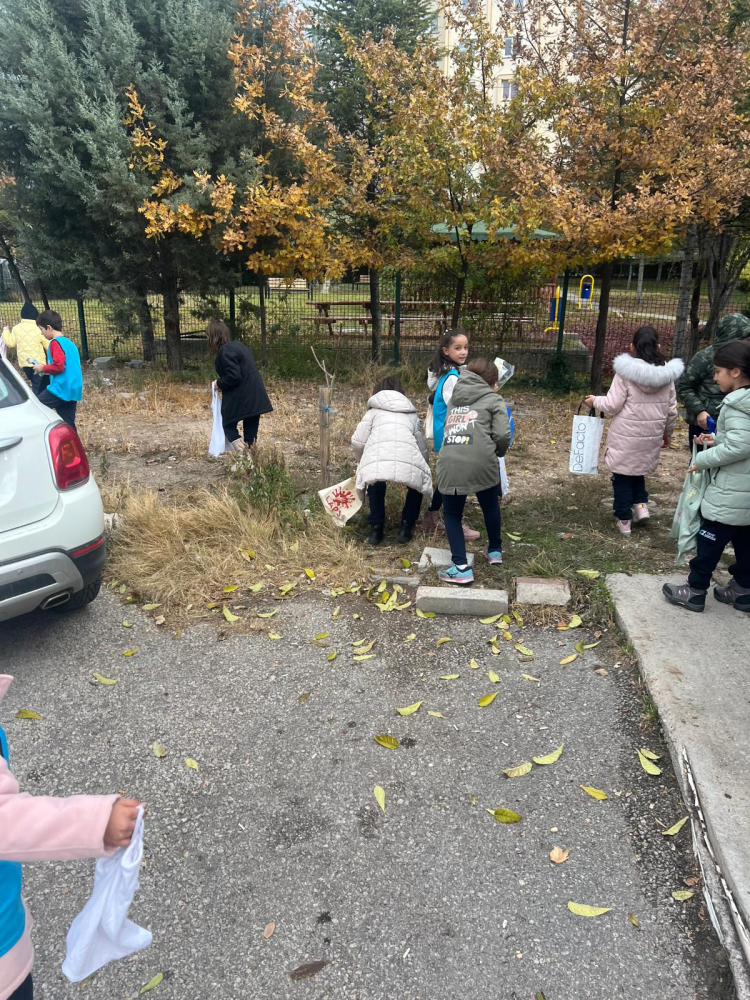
[
  {"x": 590, "y": 574},
  {"x": 436, "y": 715},
  {"x": 229, "y": 616},
  {"x": 192, "y": 764},
  {"x": 569, "y": 659},
  {"x": 442, "y": 642},
  {"x": 360, "y": 650},
  {"x": 558, "y": 855},
  {"x": 673, "y": 830},
  {"x": 274, "y": 635},
  {"x": 130, "y": 652},
  {"x": 267, "y": 614},
  {"x": 153, "y": 983},
  {"x": 379, "y": 793},
  {"x": 504, "y": 815},
  {"x": 493, "y": 676},
  {"x": 487, "y": 699},
  {"x": 523, "y": 649},
  {"x": 473, "y": 664},
  {"x": 410, "y": 637},
  {"x": 450, "y": 677},
  {"x": 126, "y": 625},
  {"x": 366, "y": 656},
  {"x": 519, "y": 619},
  {"x": 26, "y": 713},
  {"x": 294, "y": 547},
  {"x": 230, "y": 588},
  {"x": 158, "y": 750},
  {"x": 528, "y": 677},
  {"x": 634, "y": 920},
  {"x": 582, "y": 910},
  {"x": 323, "y": 635},
  {"x": 595, "y": 793},
  {"x": 247, "y": 554},
  {"x": 490, "y": 621},
  {"x": 650, "y": 754},
  {"x": 150, "y": 607},
  {"x": 104, "y": 680},
  {"x": 389, "y": 742},
  {"x": 335, "y": 613},
  {"x": 255, "y": 588},
  {"x": 575, "y": 621},
  {"x": 591, "y": 645},
  {"x": 648, "y": 766},
  {"x": 410, "y": 709},
  {"x": 682, "y": 894},
  {"x": 550, "y": 758},
  {"x": 520, "y": 771},
  {"x": 425, "y": 614},
  {"x": 309, "y": 573},
  {"x": 332, "y": 656}
]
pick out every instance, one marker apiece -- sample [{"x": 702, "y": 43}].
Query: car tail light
[{"x": 69, "y": 462}]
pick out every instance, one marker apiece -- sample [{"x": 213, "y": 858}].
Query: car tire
[{"x": 82, "y": 598}]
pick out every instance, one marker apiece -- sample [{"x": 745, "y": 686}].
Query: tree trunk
[
  {"x": 597, "y": 358},
  {"x": 695, "y": 304},
  {"x": 658, "y": 273},
  {"x": 13, "y": 267},
  {"x": 263, "y": 319},
  {"x": 146, "y": 324},
  {"x": 641, "y": 268},
  {"x": 686, "y": 277},
  {"x": 375, "y": 313},
  {"x": 43, "y": 293},
  {"x": 457, "y": 302},
  {"x": 171, "y": 299}
]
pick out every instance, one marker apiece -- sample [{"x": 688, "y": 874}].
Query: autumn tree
[
  {"x": 453, "y": 151},
  {"x": 638, "y": 101},
  {"x": 276, "y": 218},
  {"x": 341, "y": 27}
]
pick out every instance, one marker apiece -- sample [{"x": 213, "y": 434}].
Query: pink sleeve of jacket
[
  {"x": 672, "y": 413},
  {"x": 615, "y": 399},
  {"x": 42, "y": 828}
]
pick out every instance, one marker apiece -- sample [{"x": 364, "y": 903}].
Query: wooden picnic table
[{"x": 324, "y": 307}]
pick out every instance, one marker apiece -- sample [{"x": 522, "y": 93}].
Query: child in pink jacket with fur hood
[
  {"x": 643, "y": 403},
  {"x": 40, "y": 828}
]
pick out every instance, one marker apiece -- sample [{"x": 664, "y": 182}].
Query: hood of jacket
[
  {"x": 650, "y": 378},
  {"x": 733, "y": 326},
  {"x": 737, "y": 400},
  {"x": 389, "y": 399},
  {"x": 470, "y": 388}
]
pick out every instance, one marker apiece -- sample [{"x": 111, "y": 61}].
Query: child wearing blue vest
[
  {"x": 442, "y": 375},
  {"x": 63, "y": 366},
  {"x": 42, "y": 828}
]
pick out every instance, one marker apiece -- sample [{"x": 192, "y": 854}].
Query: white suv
[{"x": 51, "y": 521}]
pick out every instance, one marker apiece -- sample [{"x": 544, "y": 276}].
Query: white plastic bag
[
  {"x": 102, "y": 932},
  {"x": 219, "y": 443},
  {"x": 687, "y": 517},
  {"x": 585, "y": 443},
  {"x": 341, "y": 501},
  {"x": 504, "y": 486},
  {"x": 429, "y": 424},
  {"x": 505, "y": 371}
]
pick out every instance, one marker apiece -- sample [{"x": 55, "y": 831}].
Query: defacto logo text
[{"x": 578, "y": 447}]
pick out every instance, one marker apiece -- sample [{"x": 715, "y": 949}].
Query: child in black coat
[{"x": 243, "y": 395}]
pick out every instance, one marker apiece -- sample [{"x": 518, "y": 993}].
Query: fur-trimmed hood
[{"x": 649, "y": 377}]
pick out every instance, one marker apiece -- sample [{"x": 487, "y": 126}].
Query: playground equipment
[
  {"x": 586, "y": 291},
  {"x": 554, "y": 312}
]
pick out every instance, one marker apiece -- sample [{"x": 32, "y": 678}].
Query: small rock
[
  {"x": 135, "y": 363},
  {"x": 102, "y": 364}
]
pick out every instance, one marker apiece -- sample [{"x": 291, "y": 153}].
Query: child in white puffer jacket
[{"x": 391, "y": 448}]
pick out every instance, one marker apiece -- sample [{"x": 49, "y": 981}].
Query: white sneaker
[
  {"x": 623, "y": 527},
  {"x": 640, "y": 513}
]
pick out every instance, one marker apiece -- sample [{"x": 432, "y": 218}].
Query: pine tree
[{"x": 66, "y": 70}]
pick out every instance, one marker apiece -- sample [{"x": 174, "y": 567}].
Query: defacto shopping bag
[
  {"x": 585, "y": 444},
  {"x": 687, "y": 517},
  {"x": 341, "y": 501},
  {"x": 102, "y": 932},
  {"x": 219, "y": 443}
]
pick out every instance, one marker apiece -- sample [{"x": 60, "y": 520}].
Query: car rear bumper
[{"x": 47, "y": 578}]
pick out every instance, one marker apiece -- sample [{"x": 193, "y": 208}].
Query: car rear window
[{"x": 10, "y": 394}]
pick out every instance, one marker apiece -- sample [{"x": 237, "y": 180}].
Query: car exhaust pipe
[{"x": 56, "y": 600}]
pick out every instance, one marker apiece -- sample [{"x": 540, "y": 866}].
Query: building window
[
  {"x": 508, "y": 48},
  {"x": 510, "y": 90}
]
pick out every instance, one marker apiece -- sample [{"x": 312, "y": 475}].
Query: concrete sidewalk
[{"x": 697, "y": 669}]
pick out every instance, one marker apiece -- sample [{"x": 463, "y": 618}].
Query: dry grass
[{"x": 186, "y": 551}]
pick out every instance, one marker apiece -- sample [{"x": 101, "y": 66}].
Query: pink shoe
[
  {"x": 431, "y": 522},
  {"x": 469, "y": 534},
  {"x": 640, "y": 513},
  {"x": 623, "y": 527}
]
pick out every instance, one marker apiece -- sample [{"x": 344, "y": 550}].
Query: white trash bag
[
  {"x": 102, "y": 932},
  {"x": 585, "y": 443},
  {"x": 341, "y": 501},
  {"x": 219, "y": 443}
]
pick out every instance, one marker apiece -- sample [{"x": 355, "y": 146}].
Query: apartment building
[{"x": 505, "y": 87}]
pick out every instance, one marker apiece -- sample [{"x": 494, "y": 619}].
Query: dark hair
[
  {"x": 440, "y": 364},
  {"x": 217, "y": 334},
  {"x": 29, "y": 311},
  {"x": 391, "y": 382},
  {"x": 484, "y": 368},
  {"x": 646, "y": 344},
  {"x": 735, "y": 354},
  {"x": 50, "y": 318}
]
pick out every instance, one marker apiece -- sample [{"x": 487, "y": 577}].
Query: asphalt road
[{"x": 432, "y": 900}]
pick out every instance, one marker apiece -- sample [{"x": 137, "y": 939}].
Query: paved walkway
[
  {"x": 697, "y": 668},
  {"x": 431, "y": 900}
]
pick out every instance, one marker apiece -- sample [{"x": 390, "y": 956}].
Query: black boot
[
  {"x": 376, "y": 535},
  {"x": 405, "y": 533}
]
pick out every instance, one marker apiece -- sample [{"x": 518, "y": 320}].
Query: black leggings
[
  {"x": 249, "y": 430},
  {"x": 25, "y": 991},
  {"x": 712, "y": 539}
]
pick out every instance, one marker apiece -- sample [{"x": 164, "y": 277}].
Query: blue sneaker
[
  {"x": 455, "y": 575},
  {"x": 494, "y": 558}
]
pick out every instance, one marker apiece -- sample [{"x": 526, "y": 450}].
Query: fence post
[
  {"x": 561, "y": 312},
  {"x": 232, "y": 312},
  {"x": 397, "y": 322},
  {"x": 324, "y": 405},
  {"x": 82, "y": 328}
]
